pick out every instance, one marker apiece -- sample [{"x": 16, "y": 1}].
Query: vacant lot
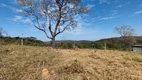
[{"x": 26, "y": 63}]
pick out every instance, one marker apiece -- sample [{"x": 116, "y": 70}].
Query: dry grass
[{"x": 26, "y": 63}]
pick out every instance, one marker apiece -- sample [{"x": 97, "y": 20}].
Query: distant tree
[
  {"x": 127, "y": 34},
  {"x": 32, "y": 38},
  {"x": 53, "y": 16},
  {"x": 99, "y": 45},
  {"x": 0, "y": 32},
  {"x": 3, "y": 32},
  {"x": 125, "y": 31}
]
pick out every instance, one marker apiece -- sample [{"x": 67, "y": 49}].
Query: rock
[{"x": 45, "y": 75}]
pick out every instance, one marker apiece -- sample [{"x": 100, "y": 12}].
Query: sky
[{"x": 99, "y": 23}]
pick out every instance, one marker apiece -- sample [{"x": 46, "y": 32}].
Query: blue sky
[{"x": 98, "y": 24}]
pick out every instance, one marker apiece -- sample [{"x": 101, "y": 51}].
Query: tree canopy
[{"x": 53, "y": 16}]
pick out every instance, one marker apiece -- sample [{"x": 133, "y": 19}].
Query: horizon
[
  {"x": 68, "y": 40},
  {"x": 96, "y": 25}
]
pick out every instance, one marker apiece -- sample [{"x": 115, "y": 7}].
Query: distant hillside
[
  {"x": 115, "y": 43},
  {"x": 111, "y": 43},
  {"x": 138, "y": 39},
  {"x": 117, "y": 40},
  {"x": 32, "y": 41}
]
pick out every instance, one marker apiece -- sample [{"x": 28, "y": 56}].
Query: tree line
[{"x": 124, "y": 42}]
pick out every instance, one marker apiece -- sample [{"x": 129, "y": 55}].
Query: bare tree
[
  {"x": 53, "y": 16},
  {"x": 125, "y": 31},
  {"x": 3, "y": 32},
  {"x": 127, "y": 34}
]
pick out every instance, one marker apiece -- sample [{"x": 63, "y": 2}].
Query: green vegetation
[
  {"x": 31, "y": 41},
  {"x": 137, "y": 59},
  {"x": 111, "y": 43},
  {"x": 80, "y": 44}
]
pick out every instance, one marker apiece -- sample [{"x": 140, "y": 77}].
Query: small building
[{"x": 137, "y": 48}]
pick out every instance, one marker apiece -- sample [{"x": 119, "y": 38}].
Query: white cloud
[
  {"x": 27, "y": 20},
  {"x": 122, "y": 5},
  {"x": 80, "y": 24},
  {"x": 18, "y": 10},
  {"x": 21, "y": 19},
  {"x": 103, "y": 1},
  {"x": 89, "y": 6},
  {"x": 14, "y": 2},
  {"x": 11, "y": 8},
  {"x": 138, "y": 12},
  {"x": 82, "y": 29},
  {"x": 16, "y": 18},
  {"x": 100, "y": 1},
  {"x": 106, "y": 18},
  {"x": 114, "y": 12},
  {"x": 3, "y": 5}
]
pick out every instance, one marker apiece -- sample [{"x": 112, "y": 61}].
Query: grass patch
[
  {"x": 27, "y": 62},
  {"x": 75, "y": 67},
  {"x": 137, "y": 59}
]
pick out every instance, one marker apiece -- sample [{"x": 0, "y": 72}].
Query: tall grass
[{"x": 27, "y": 62}]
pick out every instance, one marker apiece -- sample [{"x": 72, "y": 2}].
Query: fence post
[{"x": 22, "y": 40}]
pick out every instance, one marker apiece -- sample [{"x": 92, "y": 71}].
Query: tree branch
[
  {"x": 49, "y": 24},
  {"x": 43, "y": 31},
  {"x": 59, "y": 18},
  {"x": 59, "y": 3},
  {"x": 63, "y": 29},
  {"x": 60, "y": 31}
]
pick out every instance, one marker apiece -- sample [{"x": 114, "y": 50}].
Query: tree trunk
[{"x": 53, "y": 42}]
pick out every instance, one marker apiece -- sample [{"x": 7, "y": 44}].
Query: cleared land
[{"x": 26, "y": 63}]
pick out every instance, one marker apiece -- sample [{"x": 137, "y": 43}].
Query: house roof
[{"x": 137, "y": 45}]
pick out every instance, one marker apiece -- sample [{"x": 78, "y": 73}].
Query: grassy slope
[{"x": 26, "y": 63}]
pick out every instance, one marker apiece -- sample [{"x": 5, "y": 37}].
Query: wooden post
[
  {"x": 22, "y": 40},
  {"x": 105, "y": 45}
]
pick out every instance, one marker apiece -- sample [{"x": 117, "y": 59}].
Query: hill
[
  {"x": 115, "y": 43},
  {"x": 27, "y": 63},
  {"x": 117, "y": 39},
  {"x": 111, "y": 43}
]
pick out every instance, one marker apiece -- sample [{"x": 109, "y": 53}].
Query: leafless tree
[
  {"x": 127, "y": 34},
  {"x": 53, "y": 16},
  {"x": 125, "y": 31},
  {"x": 3, "y": 32},
  {"x": 0, "y": 32}
]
